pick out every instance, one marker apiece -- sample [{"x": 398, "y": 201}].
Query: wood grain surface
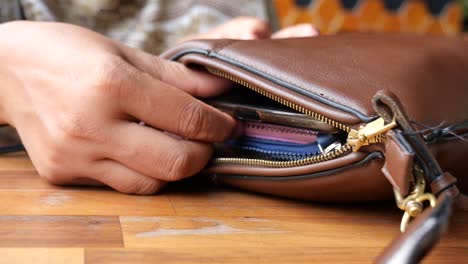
[{"x": 191, "y": 222}]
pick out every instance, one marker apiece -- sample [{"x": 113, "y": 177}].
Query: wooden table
[{"x": 191, "y": 222}]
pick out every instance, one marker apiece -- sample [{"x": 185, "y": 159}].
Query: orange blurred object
[{"x": 414, "y": 16}]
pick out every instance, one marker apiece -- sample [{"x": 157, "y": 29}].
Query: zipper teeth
[
  {"x": 286, "y": 164},
  {"x": 282, "y": 101},
  {"x": 346, "y": 148},
  {"x": 275, "y": 153}
]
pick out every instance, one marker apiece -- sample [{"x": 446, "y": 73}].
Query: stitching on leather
[
  {"x": 291, "y": 130},
  {"x": 275, "y": 76},
  {"x": 286, "y": 81}
]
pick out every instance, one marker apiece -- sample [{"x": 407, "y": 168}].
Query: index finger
[
  {"x": 167, "y": 108},
  {"x": 196, "y": 82}
]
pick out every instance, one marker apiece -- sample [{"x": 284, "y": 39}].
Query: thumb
[{"x": 195, "y": 81}]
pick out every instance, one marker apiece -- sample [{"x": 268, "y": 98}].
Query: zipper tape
[{"x": 368, "y": 159}]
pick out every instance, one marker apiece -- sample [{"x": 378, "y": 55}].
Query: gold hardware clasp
[
  {"x": 370, "y": 133},
  {"x": 413, "y": 203}
]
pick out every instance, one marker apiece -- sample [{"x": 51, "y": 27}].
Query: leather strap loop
[
  {"x": 462, "y": 202},
  {"x": 443, "y": 183},
  {"x": 425, "y": 231},
  {"x": 387, "y": 104},
  {"x": 399, "y": 162}
]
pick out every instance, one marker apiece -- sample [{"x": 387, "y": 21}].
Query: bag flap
[{"x": 428, "y": 74}]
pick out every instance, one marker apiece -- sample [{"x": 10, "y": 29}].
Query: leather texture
[
  {"x": 399, "y": 162},
  {"x": 337, "y": 76},
  {"x": 418, "y": 81},
  {"x": 349, "y": 69},
  {"x": 416, "y": 242},
  {"x": 441, "y": 183},
  {"x": 328, "y": 185}
]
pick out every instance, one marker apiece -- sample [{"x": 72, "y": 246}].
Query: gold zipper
[
  {"x": 372, "y": 132},
  {"x": 356, "y": 138},
  {"x": 346, "y": 148},
  {"x": 280, "y": 100}
]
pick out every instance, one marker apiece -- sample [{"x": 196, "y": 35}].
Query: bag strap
[
  {"x": 423, "y": 233},
  {"x": 409, "y": 166}
]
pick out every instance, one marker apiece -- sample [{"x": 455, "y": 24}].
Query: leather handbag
[{"x": 351, "y": 117}]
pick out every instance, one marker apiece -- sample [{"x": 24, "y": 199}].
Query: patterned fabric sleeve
[
  {"x": 10, "y": 10},
  {"x": 151, "y": 25}
]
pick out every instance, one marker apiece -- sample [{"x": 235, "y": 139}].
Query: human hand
[
  {"x": 296, "y": 31},
  {"x": 76, "y": 99},
  {"x": 254, "y": 28}
]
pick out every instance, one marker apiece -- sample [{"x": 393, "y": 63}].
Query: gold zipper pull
[{"x": 370, "y": 133}]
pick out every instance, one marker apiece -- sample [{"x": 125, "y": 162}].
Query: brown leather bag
[{"x": 400, "y": 103}]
